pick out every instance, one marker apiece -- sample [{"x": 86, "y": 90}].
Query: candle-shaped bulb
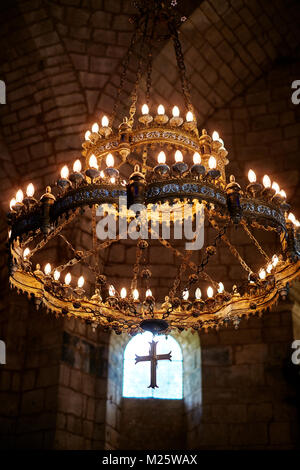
[
  {"x": 77, "y": 166},
  {"x": 26, "y": 253},
  {"x": 198, "y": 293},
  {"x": 175, "y": 111},
  {"x": 145, "y": 109},
  {"x": 123, "y": 293},
  {"x": 64, "y": 172},
  {"x": 251, "y": 176},
  {"x": 161, "y": 158},
  {"x": 262, "y": 274},
  {"x": 111, "y": 290},
  {"x": 189, "y": 116},
  {"x": 275, "y": 260},
  {"x": 135, "y": 294},
  {"x": 269, "y": 268},
  {"x": 47, "y": 269},
  {"x": 80, "y": 282},
  {"x": 30, "y": 190},
  {"x": 56, "y": 275},
  {"x": 12, "y": 203},
  {"x": 197, "y": 158},
  {"x": 178, "y": 156},
  {"x": 291, "y": 217},
  {"x": 104, "y": 121},
  {"x": 185, "y": 295},
  {"x": 87, "y": 135},
  {"x": 19, "y": 196},
  {"x": 221, "y": 288},
  {"x": 212, "y": 163},
  {"x": 93, "y": 162},
  {"x": 102, "y": 175},
  {"x": 276, "y": 187},
  {"x": 282, "y": 193},
  {"x": 266, "y": 181},
  {"x": 68, "y": 279},
  {"x": 112, "y": 180},
  {"x": 148, "y": 293},
  {"x": 160, "y": 110},
  {"x": 210, "y": 292},
  {"x": 110, "y": 160},
  {"x": 215, "y": 135},
  {"x": 95, "y": 127}
]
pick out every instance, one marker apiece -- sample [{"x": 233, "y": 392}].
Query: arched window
[{"x": 136, "y": 377}]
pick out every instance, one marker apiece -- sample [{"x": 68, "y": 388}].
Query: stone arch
[{"x": 126, "y": 418}]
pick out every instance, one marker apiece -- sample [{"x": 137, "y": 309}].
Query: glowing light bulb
[
  {"x": 104, "y": 121},
  {"x": 275, "y": 260},
  {"x": 262, "y": 274},
  {"x": 189, "y": 116},
  {"x": 26, "y": 253},
  {"x": 276, "y": 187},
  {"x": 161, "y": 158},
  {"x": 19, "y": 196},
  {"x": 210, "y": 292},
  {"x": 68, "y": 279},
  {"x": 135, "y": 294},
  {"x": 77, "y": 166},
  {"x": 297, "y": 223},
  {"x": 269, "y": 268},
  {"x": 221, "y": 288},
  {"x": 198, "y": 293},
  {"x": 93, "y": 162},
  {"x": 215, "y": 136},
  {"x": 110, "y": 160},
  {"x": 175, "y": 111},
  {"x": 145, "y": 109},
  {"x": 197, "y": 158},
  {"x": 87, "y": 135},
  {"x": 282, "y": 193},
  {"x": 30, "y": 190},
  {"x": 111, "y": 290},
  {"x": 95, "y": 127},
  {"x": 123, "y": 293},
  {"x": 266, "y": 181},
  {"x": 12, "y": 203},
  {"x": 112, "y": 180},
  {"x": 80, "y": 282},
  {"x": 291, "y": 217},
  {"x": 160, "y": 110},
  {"x": 102, "y": 175},
  {"x": 251, "y": 176},
  {"x": 212, "y": 163},
  {"x": 47, "y": 269},
  {"x": 56, "y": 275},
  {"x": 178, "y": 156},
  {"x": 64, "y": 172},
  {"x": 185, "y": 295},
  {"x": 148, "y": 293}
]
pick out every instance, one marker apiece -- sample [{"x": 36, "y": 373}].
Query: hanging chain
[
  {"x": 51, "y": 235},
  {"x": 255, "y": 241},
  {"x": 232, "y": 249},
  {"x": 181, "y": 66}
]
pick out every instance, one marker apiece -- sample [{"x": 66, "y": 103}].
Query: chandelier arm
[{"x": 255, "y": 241}]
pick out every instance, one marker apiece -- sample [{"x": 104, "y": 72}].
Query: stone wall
[{"x": 250, "y": 388}]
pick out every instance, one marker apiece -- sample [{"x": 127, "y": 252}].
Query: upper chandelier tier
[{"x": 162, "y": 162}]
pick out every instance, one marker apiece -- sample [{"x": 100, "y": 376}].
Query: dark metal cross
[{"x": 153, "y": 357}]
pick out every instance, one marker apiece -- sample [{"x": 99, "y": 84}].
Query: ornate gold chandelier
[{"x": 196, "y": 176}]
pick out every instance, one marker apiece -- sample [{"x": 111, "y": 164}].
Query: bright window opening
[{"x": 136, "y": 377}]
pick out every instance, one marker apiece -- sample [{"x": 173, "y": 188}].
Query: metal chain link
[{"x": 255, "y": 241}]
